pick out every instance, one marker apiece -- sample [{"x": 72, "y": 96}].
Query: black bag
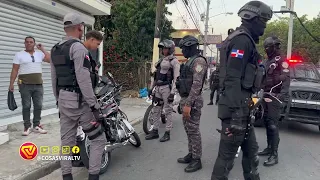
[{"x": 11, "y": 101}]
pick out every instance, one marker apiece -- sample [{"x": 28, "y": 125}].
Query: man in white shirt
[{"x": 28, "y": 64}]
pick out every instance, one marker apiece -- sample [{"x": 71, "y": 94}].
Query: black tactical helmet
[
  {"x": 169, "y": 44},
  {"x": 255, "y": 9},
  {"x": 188, "y": 41},
  {"x": 271, "y": 41}
]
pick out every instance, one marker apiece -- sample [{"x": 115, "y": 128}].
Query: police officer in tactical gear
[
  {"x": 240, "y": 76},
  {"x": 214, "y": 85},
  {"x": 190, "y": 85},
  {"x": 73, "y": 79},
  {"x": 167, "y": 71},
  {"x": 276, "y": 71}
]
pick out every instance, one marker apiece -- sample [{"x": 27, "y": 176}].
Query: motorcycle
[
  {"x": 147, "y": 121},
  {"x": 118, "y": 130}
]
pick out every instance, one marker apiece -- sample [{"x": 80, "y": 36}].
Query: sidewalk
[{"x": 13, "y": 167}]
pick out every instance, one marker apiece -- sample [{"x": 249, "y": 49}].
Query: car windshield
[{"x": 305, "y": 71}]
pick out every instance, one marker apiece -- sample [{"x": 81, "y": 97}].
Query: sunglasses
[{"x": 32, "y": 58}]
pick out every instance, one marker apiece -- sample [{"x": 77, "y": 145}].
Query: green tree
[
  {"x": 303, "y": 45},
  {"x": 129, "y": 29}
]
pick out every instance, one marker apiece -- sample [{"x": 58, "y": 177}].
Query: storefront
[{"x": 41, "y": 19}]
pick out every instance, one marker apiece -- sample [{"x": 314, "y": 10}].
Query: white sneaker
[
  {"x": 39, "y": 129},
  {"x": 26, "y": 132}
]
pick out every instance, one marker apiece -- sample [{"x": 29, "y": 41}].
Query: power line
[
  {"x": 195, "y": 23},
  {"x": 197, "y": 7},
  {"x": 316, "y": 39},
  {"x": 184, "y": 21},
  {"x": 191, "y": 15}
]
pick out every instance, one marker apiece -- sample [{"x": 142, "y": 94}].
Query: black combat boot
[
  {"x": 185, "y": 160},
  {"x": 67, "y": 177},
  {"x": 272, "y": 160},
  {"x": 93, "y": 177},
  {"x": 166, "y": 137},
  {"x": 153, "y": 135},
  {"x": 210, "y": 103},
  {"x": 267, "y": 151},
  {"x": 194, "y": 165}
]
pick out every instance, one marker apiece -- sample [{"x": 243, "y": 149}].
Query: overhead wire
[
  {"x": 184, "y": 21},
  {"x": 186, "y": 6},
  {"x": 316, "y": 39}
]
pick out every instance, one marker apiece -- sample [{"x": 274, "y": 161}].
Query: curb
[
  {"x": 50, "y": 167},
  {"x": 41, "y": 171}
]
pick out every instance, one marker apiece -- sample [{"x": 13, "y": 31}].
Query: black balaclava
[
  {"x": 189, "y": 51},
  {"x": 255, "y": 26},
  {"x": 272, "y": 51}
]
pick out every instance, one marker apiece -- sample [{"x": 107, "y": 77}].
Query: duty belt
[
  {"x": 163, "y": 83},
  {"x": 71, "y": 89}
]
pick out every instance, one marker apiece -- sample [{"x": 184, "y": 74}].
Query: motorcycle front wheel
[
  {"x": 85, "y": 155},
  {"x": 147, "y": 124}
]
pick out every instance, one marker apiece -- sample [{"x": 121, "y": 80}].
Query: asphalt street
[{"x": 299, "y": 154}]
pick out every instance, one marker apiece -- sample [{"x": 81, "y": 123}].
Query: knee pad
[
  {"x": 94, "y": 131},
  {"x": 272, "y": 130}
]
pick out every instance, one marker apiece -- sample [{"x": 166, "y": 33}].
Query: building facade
[{"x": 41, "y": 19}]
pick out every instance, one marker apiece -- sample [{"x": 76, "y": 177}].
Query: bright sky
[{"x": 221, "y": 23}]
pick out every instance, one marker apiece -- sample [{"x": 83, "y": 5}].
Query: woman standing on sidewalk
[{"x": 167, "y": 71}]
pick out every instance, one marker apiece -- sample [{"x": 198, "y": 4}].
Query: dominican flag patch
[{"x": 237, "y": 53}]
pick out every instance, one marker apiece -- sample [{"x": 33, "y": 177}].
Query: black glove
[
  {"x": 235, "y": 124},
  {"x": 171, "y": 98},
  {"x": 235, "y": 130}
]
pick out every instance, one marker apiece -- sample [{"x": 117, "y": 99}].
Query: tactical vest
[
  {"x": 272, "y": 77},
  {"x": 215, "y": 79},
  {"x": 165, "y": 78},
  {"x": 186, "y": 76},
  {"x": 64, "y": 66},
  {"x": 252, "y": 74}
]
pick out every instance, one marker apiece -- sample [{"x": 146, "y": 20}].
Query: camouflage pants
[
  {"x": 163, "y": 93},
  {"x": 192, "y": 129}
]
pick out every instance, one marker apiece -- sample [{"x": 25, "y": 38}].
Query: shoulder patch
[
  {"x": 199, "y": 68},
  {"x": 285, "y": 65},
  {"x": 237, "y": 53}
]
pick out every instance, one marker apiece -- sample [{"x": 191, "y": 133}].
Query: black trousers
[
  {"x": 213, "y": 89},
  {"x": 227, "y": 150},
  {"x": 271, "y": 119}
]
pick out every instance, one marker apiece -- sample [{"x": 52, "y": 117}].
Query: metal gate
[{"x": 16, "y": 22}]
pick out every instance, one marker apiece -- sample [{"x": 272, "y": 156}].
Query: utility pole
[
  {"x": 206, "y": 36},
  {"x": 156, "y": 39},
  {"x": 290, "y": 6}
]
